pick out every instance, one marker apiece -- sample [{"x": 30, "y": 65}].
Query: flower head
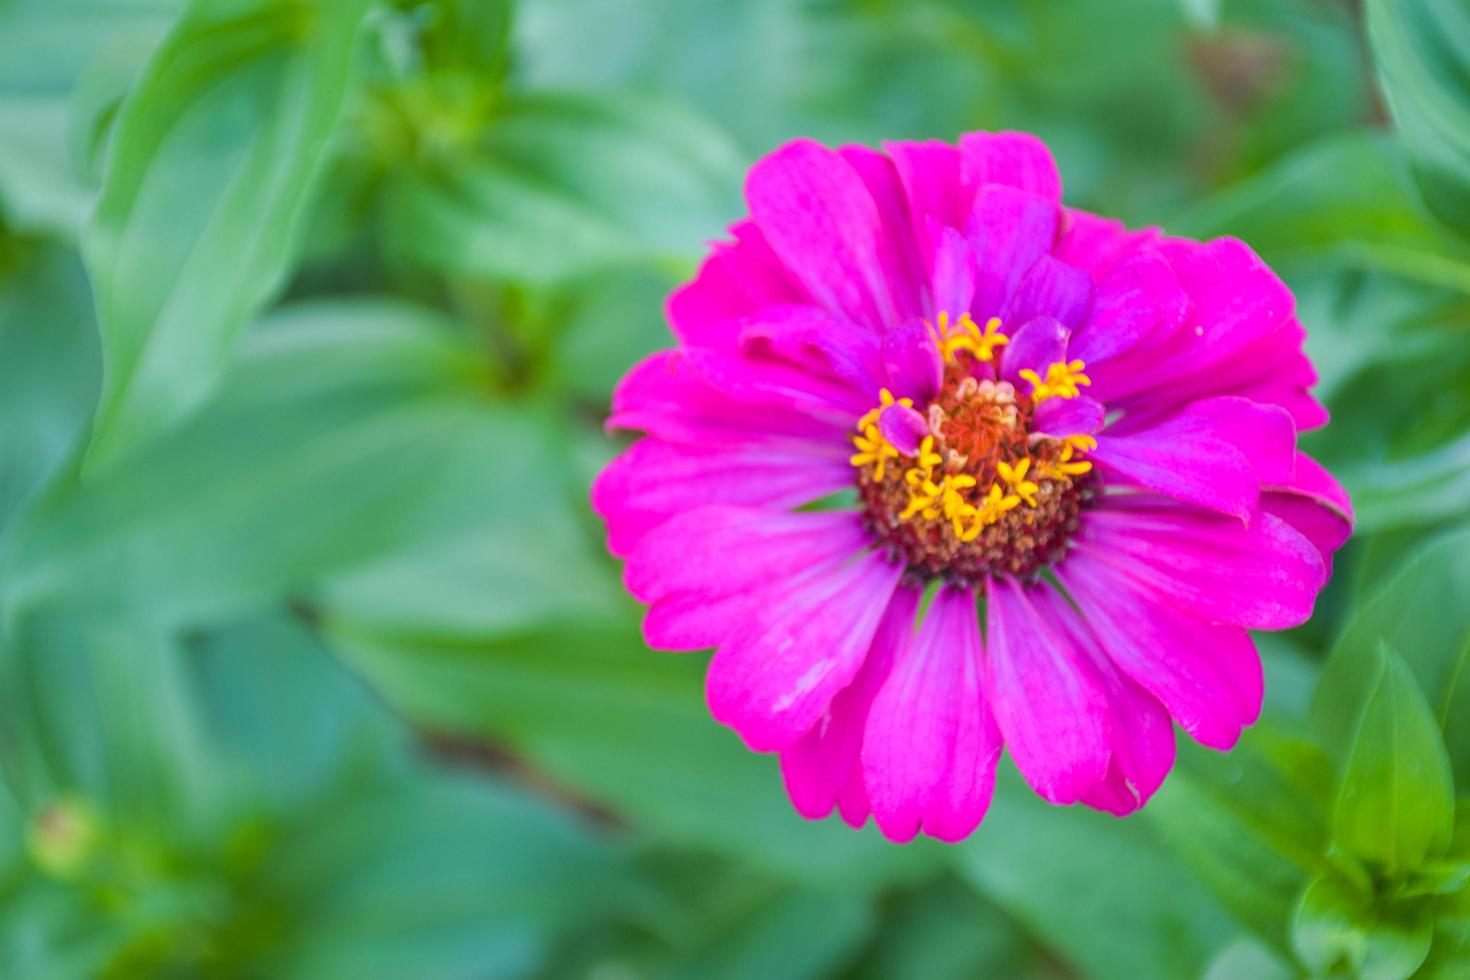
[{"x": 915, "y": 394}]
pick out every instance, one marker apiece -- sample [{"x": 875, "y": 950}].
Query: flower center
[{"x": 968, "y": 485}]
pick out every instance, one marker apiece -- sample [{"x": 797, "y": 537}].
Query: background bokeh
[{"x": 313, "y": 663}]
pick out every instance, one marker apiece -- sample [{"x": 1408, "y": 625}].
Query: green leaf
[
  {"x": 1102, "y": 893},
  {"x": 1253, "y": 824},
  {"x": 946, "y": 931},
  {"x": 800, "y": 935},
  {"x": 293, "y": 473},
  {"x": 1422, "y": 48},
  {"x": 469, "y": 34},
  {"x": 38, "y": 190},
  {"x": 1449, "y": 956},
  {"x": 627, "y": 727},
  {"x": 1202, "y": 13},
  {"x": 1336, "y": 927},
  {"x": 1347, "y": 198},
  {"x": 49, "y": 368},
  {"x": 210, "y": 166},
  {"x": 1396, "y": 806},
  {"x": 1246, "y": 958},
  {"x": 559, "y": 186},
  {"x": 1421, "y": 615},
  {"x": 262, "y": 813}
]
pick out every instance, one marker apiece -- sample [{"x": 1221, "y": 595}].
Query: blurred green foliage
[{"x": 312, "y": 662}]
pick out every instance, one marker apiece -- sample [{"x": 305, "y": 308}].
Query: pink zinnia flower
[{"x": 940, "y": 465}]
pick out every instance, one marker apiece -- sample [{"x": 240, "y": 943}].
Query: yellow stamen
[
  {"x": 1015, "y": 478},
  {"x": 965, "y": 334},
  {"x": 872, "y": 448},
  {"x": 885, "y": 398},
  {"x": 924, "y": 500},
  {"x": 1067, "y": 464},
  {"x": 928, "y": 458},
  {"x": 1062, "y": 381}
]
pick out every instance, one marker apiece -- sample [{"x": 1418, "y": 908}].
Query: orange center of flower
[{"x": 981, "y": 494}]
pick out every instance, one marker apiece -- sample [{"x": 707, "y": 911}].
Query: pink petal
[
  {"x": 820, "y": 343},
  {"x": 1099, "y": 245},
  {"x": 1141, "y": 733},
  {"x": 819, "y": 217},
  {"x": 691, "y": 621},
  {"x": 1264, "y": 575},
  {"x": 825, "y": 763},
  {"x": 654, "y": 480},
  {"x": 667, "y": 396},
  {"x": 1238, "y": 302},
  {"x": 930, "y": 745},
  {"x": 737, "y": 279},
  {"x": 1207, "y": 675},
  {"x": 1142, "y": 750},
  {"x": 773, "y": 678},
  {"x": 954, "y": 273},
  {"x": 1215, "y": 453},
  {"x": 1009, "y": 230},
  {"x": 1014, "y": 159},
  {"x": 1139, "y": 303},
  {"x": 1050, "y": 288},
  {"x": 716, "y": 550},
  {"x": 1061, "y": 417},
  {"x": 903, "y": 427},
  {"x": 912, "y": 361},
  {"x": 1173, "y": 460},
  {"x": 769, "y": 382},
  {"x": 1036, "y": 346},
  {"x": 1049, "y": 705},
  {"x": 906, "y": 283},
  {"x": 930, "y": 173},
  {"x": 1315, "y": 504}
]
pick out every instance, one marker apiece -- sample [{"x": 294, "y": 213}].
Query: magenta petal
[
  {"x": 818, "y": 342},
  {"x": 757, "y": 381},
  {"x": 912, "y": 361},
  {"x": 1241, "y": 312},
  {"x": 1183, "y": 459},
  {"x": 1141, "y": 733},
  {"x": 653, "y": 480},
  {"x": 773, "y": 678},
  {"x": 824, "y": 765},
  {"x": 1315, "y": 504},
  {"x": 1062, "y": 417},
  {"x": 1264, "y": 575},
  {"x": 930, "y": 173},
  {"x": 1009, "y": 230},
  {"x": 906, "y": 280},
  {"x": 667, "y": 396},
  {"x": 930, "y": 745},
  {"x": 1050, "y": 288},
  {"x": 1207, "y": 675},
  {"x": 1143, "y": 750},
  {"x": 1034, "y": 347},
  {"x": 737, "y": 279},
  {"x": 1264, "y": 433},
  {"x": 955, "y": 273},
  {"x": 1214, "y": 453},
  {"x": 903, "y": 427},
  {"x": 1014, "y": 159},
  {"x": 693, "y": 621},
  {"x": 1139, "y": 303},
  {"x": 1047, "y": 701},
  {"x": 819, "y": 217},
  {"x": 1099, "y": 245},
  {"x": 716, "y": 550}
]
